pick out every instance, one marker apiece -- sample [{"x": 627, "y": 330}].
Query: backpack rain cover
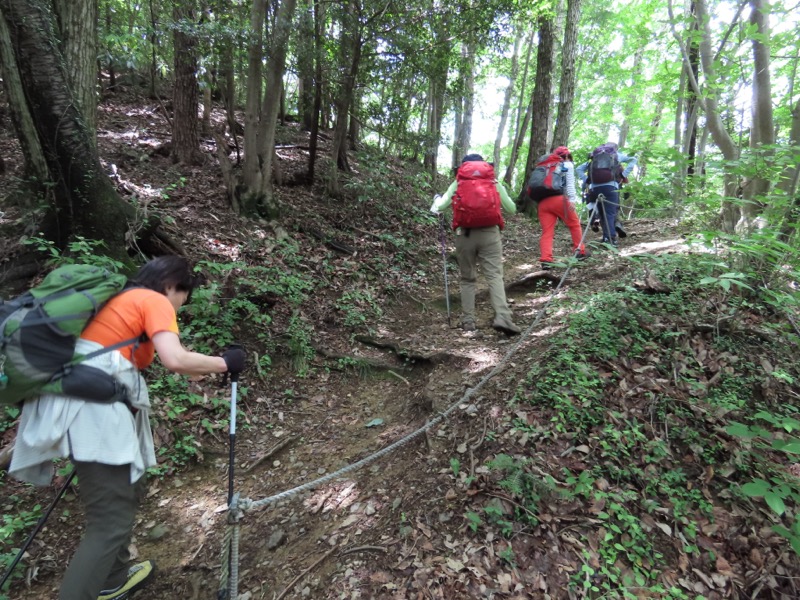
[{"x": 476, "y": 202}]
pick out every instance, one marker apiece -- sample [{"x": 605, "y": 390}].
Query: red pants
[{"x": 550, "y": 211}]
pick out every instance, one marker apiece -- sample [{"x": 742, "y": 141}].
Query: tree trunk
[
  {"x": 267, "y": 206},
  {"x": 312, "y": 151},
  {"x": 251, "y": 173},
  {"x": 350, "y": 60},
  {"x": 512, "y": 82},
  {"x": 78, "y": 26},
  {"x": 691, "y": 106},
  {"x": 523, "y": 112},
  {"x": 185, "y": 136},
  {"x": 631, "y": 100},
  {"x": 305, "y": 66},
  {"x": 227, "y": 88},
  {"x": 652, "y": 135},
  {"x": 35, "y": 164},
  {"x": 566, "y": 90},
  {"x": 86, "y": 203},
  {"x": 710, "y": 104},
  {"x": 542, "y": 93},
  {"x": 512, "y": 161},
  {"x": 462, "y": 136},
  {"x": 762, "y": 134}
]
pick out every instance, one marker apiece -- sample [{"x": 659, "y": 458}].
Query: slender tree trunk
[
  {"x": 251, "y": 173},
  {"x": 351, "y": 48},
  {"x": 465, "y": 104},
  {"x": 228, "y": 91},
  {"x": 542, "y": 93},
  {"x": 312, "y": 152},
  {"x": 523, "y": 111},
  {"x": 631, "y": 100},
  {"x": 566, "y": 90},
  {"x": 512, "y": 82},
  {"x": 710, "y": 103},
  {"x": 789, "y": 180},
  {"x": 305, "y": 66},
  {"x": 652, "y": 135},
  {"x": 690, "y": 118},
  {"x": 439, "y": 66},
  {"x": 271, "y": 105},
  {"x": 762, "y": 135},
  {"x": 185, "y": 136},
  {"x": 512, "y": 161},
  {"x": 36, "y": 168}
]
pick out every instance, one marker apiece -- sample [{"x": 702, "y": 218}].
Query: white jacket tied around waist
[{"x": 55, "y": 426}]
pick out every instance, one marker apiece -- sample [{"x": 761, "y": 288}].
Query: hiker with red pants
[
  {"x": 606, "y": 175},
  {"x": 477, "y": 198},
  {"x": 111, "y": 442},
  {"x": 552, "y": 187}
]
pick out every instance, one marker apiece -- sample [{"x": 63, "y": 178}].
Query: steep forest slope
[{"x": 636, "y": 441}]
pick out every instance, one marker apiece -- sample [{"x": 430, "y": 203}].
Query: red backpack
[{"x": 476, "y": 202}]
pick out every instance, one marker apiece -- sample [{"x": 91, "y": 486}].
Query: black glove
[{"x": 234, "y": 359}]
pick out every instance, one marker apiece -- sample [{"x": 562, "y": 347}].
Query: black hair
[
  {"x": 472, "y": 158},
  {"x": 166, "y": 271}
]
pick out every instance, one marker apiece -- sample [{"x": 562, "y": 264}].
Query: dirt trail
[{"x": 350, "y": 535}]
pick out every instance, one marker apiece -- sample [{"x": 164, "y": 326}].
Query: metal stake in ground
[
  {"x": 443, "y": 239},
  {"x": 38, "y": 527}
]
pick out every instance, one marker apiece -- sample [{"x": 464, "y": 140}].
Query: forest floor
[{"x": 431, "y": 519}]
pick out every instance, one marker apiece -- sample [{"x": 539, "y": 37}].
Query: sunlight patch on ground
[
  {"x": 215, "y": 246},
  {"x": 527, "y": 267},
  {"x": 339, "y": 494},
  {"x": 482, "y": 359},
  {"x": 645, "y": 247}
]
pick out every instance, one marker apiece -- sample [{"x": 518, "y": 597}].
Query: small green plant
[
  {"x": 473, "y": 521},
  {"x": 507, "y": 555},
  {"x": 300, "y": 333},
  {"x": 359, "y": 308},
  {"x": 79, "y": 250},
  {"x": 405, "y": 526},
  {"x": 455, "y": 466},
  {"x": 12, "y": 526}
]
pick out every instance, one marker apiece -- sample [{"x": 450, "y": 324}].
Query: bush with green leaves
[
  {"x": 14, "y": 526},
  {"x": 79, "y": 250}
]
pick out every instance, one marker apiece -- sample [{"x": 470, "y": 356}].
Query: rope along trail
[{"x": 238, "y": 506}]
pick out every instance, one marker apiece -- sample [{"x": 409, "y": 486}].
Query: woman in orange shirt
[{"x": 111, "y": 444}]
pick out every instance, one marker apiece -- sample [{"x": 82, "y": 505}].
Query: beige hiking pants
[{"x": 481, "y": 245}]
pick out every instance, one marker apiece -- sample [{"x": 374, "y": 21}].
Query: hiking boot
[
  {"x": 546, "y": 265},
  {"x": 581, "y": 255},
  {"x": 506, "y": 325},
  {"x": 621, "y": 231},
  {"x": 468, "y": 324},
  {"x": 139, "y": 575},
  {"x": 596, "y": 225}
]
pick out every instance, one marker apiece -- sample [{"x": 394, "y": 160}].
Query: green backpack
[{"x": 40, "y": 328}]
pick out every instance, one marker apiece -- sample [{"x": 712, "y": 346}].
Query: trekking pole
[
  {"x": 232, "y": 435},
  {"x": 442, "y": 238},
  {"x": 38, "y": 527},
  {"x": 225, "y": 594}
]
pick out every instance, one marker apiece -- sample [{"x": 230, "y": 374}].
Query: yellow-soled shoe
[{"x": 139, "y": 575}]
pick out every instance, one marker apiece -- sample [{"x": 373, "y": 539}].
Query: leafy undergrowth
[
  {"x": 639, "y": 443},
  {"x": 673, "y": 417}
]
